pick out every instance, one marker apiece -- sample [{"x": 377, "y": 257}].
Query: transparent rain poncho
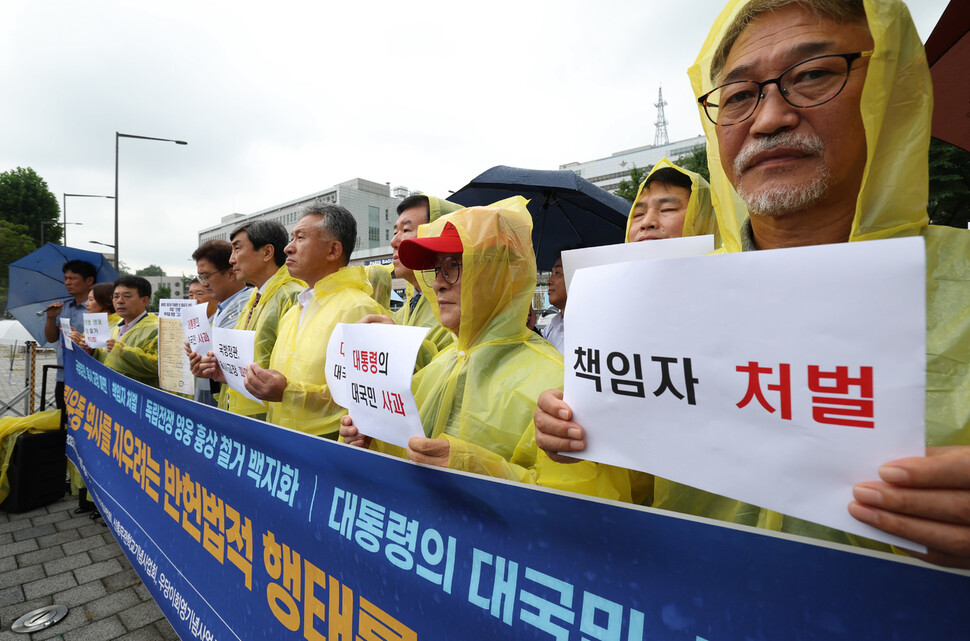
[
  {"x": 279, "y": 294},
  {"x": 301, "y": 351}
]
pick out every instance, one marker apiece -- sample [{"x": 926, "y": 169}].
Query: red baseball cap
[{"x": 419, "y": 253}]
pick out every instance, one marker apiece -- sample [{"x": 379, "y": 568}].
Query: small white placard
[
  {"x": 779, "y": 378},
  {"x": 369, "y": 370},
  {"x": 234, "y": 349},
  {"x": 96, "y": 330},
  {"x": 195, "y": 325},
  {"x": 625, "y": 252},
  {"x": 66, "y": 331}
]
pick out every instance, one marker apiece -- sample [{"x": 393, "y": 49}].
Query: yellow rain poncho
[
  {"x": 897, "y": 108},
  {"x": 136, "y": 353},
  {"x": 481, "y": 391},
  {"x": 379, "y": 277},
  {"x": 700, "y": 219},
  {"x": 278, "y": 295},
  {"x": 301, "y": 351},
  {"x": 423, "y": 315}
]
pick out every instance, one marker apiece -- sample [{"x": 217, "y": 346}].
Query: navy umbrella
[
  {"x": 37, "y": 280},
  {"x": 567, "y": 210}
]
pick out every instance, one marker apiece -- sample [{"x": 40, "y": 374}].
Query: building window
[{"x": 374, "y": 235}]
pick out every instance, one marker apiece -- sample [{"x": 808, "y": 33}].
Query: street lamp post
[
  {"x": 64, "y": 208},
  {"x": 44, "y": 223},
  {"x": 118, "y": 136}
]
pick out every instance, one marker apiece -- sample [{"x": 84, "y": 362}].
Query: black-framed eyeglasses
[
  {"x": 809, "y": 83},
  {"x": 450, "y": 270},
  {"x": 205, "y": 276}
]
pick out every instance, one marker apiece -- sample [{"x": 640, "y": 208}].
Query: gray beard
[{"x": 780, "y": 201}]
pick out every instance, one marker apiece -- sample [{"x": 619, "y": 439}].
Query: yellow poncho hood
[
  {"x": 498, "y": 265},
  {"x": 897, "y": 109},
  {"x": 700, "y": 219}
]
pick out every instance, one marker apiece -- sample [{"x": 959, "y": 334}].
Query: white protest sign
[
  {"x": 626, "y": 252},
  {"x": 369, "y": 370},
  {"x": 195, "y": 325},
  {"x": 174, "y": 373},
  {"x": 65, "y": 331},
  {"x": 778, "y": 378},
  {"x": 96, "y": 330},
  {"x": 234, "y": 349}
]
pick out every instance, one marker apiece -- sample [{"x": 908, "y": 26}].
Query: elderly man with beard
[{"x": 818, "y": 115}]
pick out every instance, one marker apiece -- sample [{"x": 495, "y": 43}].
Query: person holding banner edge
[
  {"x": 478, "y": 394},
  {"x": 133, "y": 347},
  {"x": 848, "y": 165},
  {"x": 294, "y": 383},
  {"x": 257, "y": 258}
]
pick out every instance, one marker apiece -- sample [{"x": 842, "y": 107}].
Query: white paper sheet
[
  {"x": 369, "y": 370},
  {"x": 97, "y": 331},
  {"x": 625, "y": 252},
  {"x": 65, "y": 331},
  {"x": 195, "y": 325},
  {"x": 751, "y": 327},
  {"x": 234, "y": 349}
]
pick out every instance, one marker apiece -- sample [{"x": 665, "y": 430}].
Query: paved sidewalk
[{"x": 53, "y": 556}]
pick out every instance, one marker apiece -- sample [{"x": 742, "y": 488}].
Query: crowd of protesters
[{"x": 817, "y": 114}]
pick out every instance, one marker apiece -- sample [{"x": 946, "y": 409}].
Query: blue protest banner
[{"x": 244, "y": 530}]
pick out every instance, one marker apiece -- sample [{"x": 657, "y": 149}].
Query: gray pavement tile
[
  {"x": 142, "y": 591},
  {"x": 148, "y": 633},
  {"x": 6, "y": 538},
  {"x": 28, "y": 515},
  {"x": 97, "y": 570},
  {"x": 73, "y": 523},
  {"x": 57, "y": 539},
  {"x": 4, "y": 517},
  {"x": 51, "y": 518},
  {"x": 121, "y": 580},
  {"x": 8, "y": 563},
  {"x": 105, "y": 552},
  {"x": 81, "y": 594},
  {"x": 66, "y": 563},
  {"x": 112, "y": 604},
  {"x": 166, "y": 630},
  {"x": 140, "y": 615},
  {"x": 102, "y": 630},
  {"x": 21, "y": 576},
  {"x": 13, "y": 549},
  {"x": 40, "y": 556},
  {"x": 82, "y": 545},
  {"x": 49, "y": 585},
  {"x": 34, "y": 532},
  {"x": 11, "y": 595},
  {"x": 95, "y": 527},
  {"x": 14, "y": 526}
]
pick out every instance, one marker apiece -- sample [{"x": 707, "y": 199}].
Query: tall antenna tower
[{"x": 660, "y": 134}]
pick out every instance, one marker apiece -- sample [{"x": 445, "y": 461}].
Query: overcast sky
[{"x": 279, "y": 100}]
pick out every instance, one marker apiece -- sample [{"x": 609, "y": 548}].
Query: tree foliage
[
  {"x": 696, "y": 161},
  {"x": 26, "y": 200},
  {"x": 15, "y": 243},
  {"x": 151, "y": 270},
  {"x": 949, "y": 200},
  {"x": 163, "y": 291},
  {"x": 628, "y": 188}
]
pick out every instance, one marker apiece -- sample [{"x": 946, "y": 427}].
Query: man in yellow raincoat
[
  {"x": 818, "y": 116},
  {"x": 413, "y": 212},
  {"x": 478, "y": 270},
  {"x": 133, "y": 347},
  {"x": 257, "y": 259},
  {"x": 295, "y": 383}
]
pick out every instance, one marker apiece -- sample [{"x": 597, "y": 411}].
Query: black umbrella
[{"x": 567, "y": 210}]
